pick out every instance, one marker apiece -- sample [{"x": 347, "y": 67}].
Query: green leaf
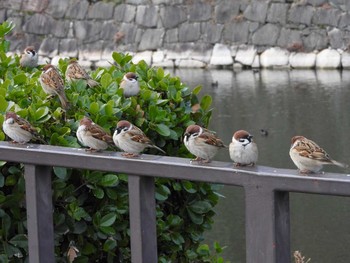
[
  {"x": 162, "y": 129},
  {"x": 106, "y": 79},
  {"x": 94, "y": 108},
  {"x": 60, "y": 172},
  {"x": 19, "y": 240},
  {"x": 109, "y": 244},
  {"x": 203, "y": 250},
  {"x": 177, "y": 238},
  {"x": 196, "y": 90},
  {"x": 200, "y": 207},
  {"x": 108, "y": 220},
  {"x": 20, "y": 79},
  {"x": 3, "y": 104},
  {"x": 109, "y": 180},
  {"x": 206, "y": 102},
  {"x": 98, "y": 192}
]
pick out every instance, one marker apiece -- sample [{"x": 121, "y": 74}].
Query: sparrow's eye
[{"x": 125, "y": 129}]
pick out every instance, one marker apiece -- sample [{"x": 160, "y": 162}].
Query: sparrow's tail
[
  {"x": 64, "y": 101},
  {"x": 92, "y": 83},
  {"x": 159, "y": 149},
  {"x": 343, "y": 165}
]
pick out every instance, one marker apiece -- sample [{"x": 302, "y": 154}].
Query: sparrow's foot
[
  {"x": 305, "y": 172},
  {"x": 130, "y": 155},
  {"x": 92, "y": 150},
  {"x": 200, "y": 160}
]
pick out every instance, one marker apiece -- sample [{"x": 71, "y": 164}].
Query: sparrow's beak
[
  {"x": 118, "y": 130},
  {"x": 187, "y": 136}
]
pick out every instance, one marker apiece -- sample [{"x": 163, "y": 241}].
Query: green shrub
[{"x": 91, "y": 207}]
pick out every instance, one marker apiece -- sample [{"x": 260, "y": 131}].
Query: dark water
[{"x": 315, "y": 104}]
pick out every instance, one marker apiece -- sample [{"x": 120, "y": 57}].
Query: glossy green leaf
[
  {"x": 19, "y": 240},
  {"x": 94, "y": 108},
  {"x": 109, "y": 180},
  {"x": 108, "y": 220},
  {"x": 206, "y": 102},
  {"x": 162, "y": 129}
]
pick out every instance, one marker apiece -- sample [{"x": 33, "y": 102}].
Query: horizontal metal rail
[{"x": 266, "y": 194}]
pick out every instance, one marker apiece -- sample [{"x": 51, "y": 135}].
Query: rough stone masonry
[{"x": 186, "y": 33}]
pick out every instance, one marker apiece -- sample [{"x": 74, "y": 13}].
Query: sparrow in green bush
[
  {"x": 19, "y": 129},
  {"x": 93, "y": 136},
  {"x": 309, "y": 157},
  {"x": 130, "y": 84},
  {"x": 53, "y": 84},
  {"x": 75, "y": 72},
  {"x": 29, "y": 58},
  {"x": 131, "y": 139},
  {"x": 202, "y": 143},
  {"x": 243, "y": 150}
]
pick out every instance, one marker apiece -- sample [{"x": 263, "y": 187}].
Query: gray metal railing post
[
  {"x": 39, "y": 214},
  {"x": 142, "y": 209},
  {"x": 267, "y": 225}
]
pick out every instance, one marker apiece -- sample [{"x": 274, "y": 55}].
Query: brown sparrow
[
  {"x": 243, "y": 150},
  {"x": 19, "y": 129},
  {"x": 75, "y": 72},
  {"x": 202, "y": 143},
  {"x": 53, "y": 84},
  {"x": 29, "y": 58},
  {"x": 93, "y": 136},
  {"x": 131, "y": 139},
  {"x": 130, "y": 85},
  {"x": 308, "y": 156}
]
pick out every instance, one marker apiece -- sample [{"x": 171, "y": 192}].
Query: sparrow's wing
[
  {"x": 138, "y": 136},
  {"x": 77, "y": 72},
  {"x": 25, "y": 125},
  {"x": 210, "y": 138},
  {"x": 310, "y": 149},
  {"x": 99, "y": 133}
]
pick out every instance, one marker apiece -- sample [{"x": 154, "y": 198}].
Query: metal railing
[{"x": 267, "y": 218}]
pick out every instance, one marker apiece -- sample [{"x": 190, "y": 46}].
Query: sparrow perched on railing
[
  {"x": 53, "y": 84},
  {"x": 93, "y": 136},
  {"x": 202, "y": 143},
  {"x": 19, "y": 129},
  {"x": 243, "y": 150},
  {"x": 130, "y": 84},
  {"x": 75, "y": 72},
  {"x": 131, "y": 139},
  {"x": 29, "y": 58},
  {"x": 309, "y": 157}
]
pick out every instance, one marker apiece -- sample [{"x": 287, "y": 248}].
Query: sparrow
[
  {"x": 52, "y": 83},
  {"x": 130, "y": 85},
  {"x": 75, "y": 72},
  {"x": 131, "y": 139},
  {"x": 93, "y": 136},
  {"x": 19, "y": 129},
  {"x": 309, "y": 157},
  {"x": 202, "y": 143},
  {"x": 243, "y": 150},
  {"x": 29, "y": 58}
]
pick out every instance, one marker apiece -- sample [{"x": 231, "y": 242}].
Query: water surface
[{"x": 315, "y": 104}]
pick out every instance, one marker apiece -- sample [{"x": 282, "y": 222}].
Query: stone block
[
  {"x": 212, "y": 32},
  {"x": 226, "y": 11},
  {"x": 145, "y": 56},
  {"x": 57, "y": 9},
  {"x": 189, "y": 32},
  {"x": 107, "y": 51},
  {"x": 17, "y": 21},
  {"x": 137, "y": 2},
  {"x": 39, "y": 24},
  {"x": 302, "y": 60},
  {"x": 103, "y": 64},
  {"x": 174, "y": 2},
  {"x": 345, "y": 60},
  {"x": 328, "y": 58},
  {"x": 191, "y": 63},
  {"x": 237, "y": 32},
  {"x": 328, "y": 17},
  {"x": 164, "y": 64},
  {"x": 101, "y": 10},
  {"x": 158, "y": 56},
  {"x": 12, "y": 4},
  {"x": 60, "y": 28},
  {"x": 288, "y": 37},
  {"x": 49, "y": 47},
  {"x": 256, "y": 62},
  {"x": 172, "y": 16},
  {"x": 266, "y": 35},
  {"x": 129, "y": 31},
  {"x": 110, "y": 29},
  {"x": 87, "y": 31},
  {"x": 147, "y": 16},
  {"x": 68, "y": 47},
  {"x": 125, "y": 13},
  {"x": 172, "y": 35},
  {"x": 77, "y": 9},
  {"x": 200, "y": 11},
  {"x": 316, "y": 2},
  {"x": 344, "y": 20},
  {"x": 316, "y": 40},
  {"x": 2, "y": 15},
  {"x": 91, "y": 51},
  {"x": 221, "y": 56},
  {"x": 152, "y": 39},
  {"x": 277, "y": 13},
  {"x": 301, "y": 14},
  {"x": 336, "y": 39},
  {"x": 256, "y": 11},
  {"x": 274, "y": 57},
  {"x": 246, "y": 55}
]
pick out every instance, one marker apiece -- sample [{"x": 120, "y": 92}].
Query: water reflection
[{"x": 286, "y": 103}]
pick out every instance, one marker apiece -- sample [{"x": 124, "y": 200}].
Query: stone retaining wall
[{"x": 186, "y": 33}]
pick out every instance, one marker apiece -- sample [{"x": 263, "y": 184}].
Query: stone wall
[{"x": 186, "y": 33}]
